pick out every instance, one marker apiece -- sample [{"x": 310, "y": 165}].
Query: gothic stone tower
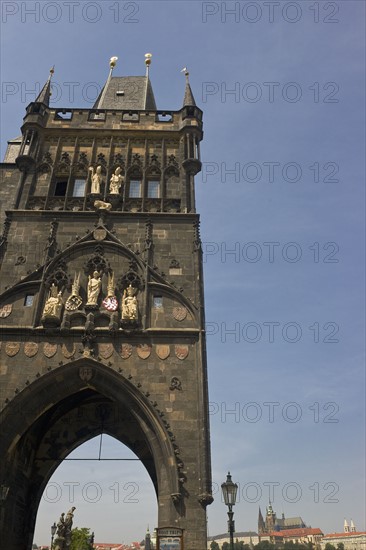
[{"x": 101, "y": 301}]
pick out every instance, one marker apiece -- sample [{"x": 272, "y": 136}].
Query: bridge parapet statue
[{"x": 63, "y": 533}]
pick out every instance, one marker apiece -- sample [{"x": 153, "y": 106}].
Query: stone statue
[
  {"x": 61, "y": 526},
  {"x": 68, "y": 526},
  {"x": 116, "y": 181},
  {"x": 94, "y": 286},
  {"x": 53, "y": 305},
  {"x": 64, "y": 528},
  {"x": 69, "y": 519},
  {"x": 129, "y": 304},
  {"x": 96, "y": 180},
  {"x": 101, "y": 205}
]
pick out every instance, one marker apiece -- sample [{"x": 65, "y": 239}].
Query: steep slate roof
[
  {"x": 45, "y": 93},
  {"x": 138, "y": 94},
  {"x": 188, "y": 100},
  {"x": 288, "y": 522}
]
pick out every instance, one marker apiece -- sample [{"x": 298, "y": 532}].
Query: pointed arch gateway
[{"x": 65, "y": 408}]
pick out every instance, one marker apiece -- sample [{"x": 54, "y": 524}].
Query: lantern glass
[
  {"x": 229, "y": 491},
  {"x": 53, "y": 529}
]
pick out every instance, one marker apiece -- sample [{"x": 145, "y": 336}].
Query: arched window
[
  {"x": 135, "y": 188},
  {"x": 153, "y": 189}
]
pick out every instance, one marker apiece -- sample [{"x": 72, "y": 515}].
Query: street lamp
[
  {"x": 53, "y": 532},
  {"x": 229, "y": 490}
]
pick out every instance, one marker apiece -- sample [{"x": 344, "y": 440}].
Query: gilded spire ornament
[{"x": 148, "y": 57}]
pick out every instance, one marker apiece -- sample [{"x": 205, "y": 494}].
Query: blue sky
[{"x": 292, "y": 213}]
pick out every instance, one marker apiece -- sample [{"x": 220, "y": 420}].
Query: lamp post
[
  {"x": 53, "y": 532},
  {"x": 229, "y": 490}
]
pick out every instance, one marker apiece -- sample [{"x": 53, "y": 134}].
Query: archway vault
[{"x": 63, "y": 409}]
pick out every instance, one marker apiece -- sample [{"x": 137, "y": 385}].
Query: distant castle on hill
[{"x": 273, "y": 523}]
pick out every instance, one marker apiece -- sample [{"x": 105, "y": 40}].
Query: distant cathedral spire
[
  {"x": 45, "y": 94},
  {"x": 261, "y": 524},
  {"x": 188, "y": 100},
  {"x": 353, "y": 528},
  {"x": 346, "y": 526},
  {"x": 148, "y": 545},
  {"x": 270, "y": 518}
]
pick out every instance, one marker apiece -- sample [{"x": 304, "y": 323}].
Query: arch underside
[{"x": 80, "y": 417}]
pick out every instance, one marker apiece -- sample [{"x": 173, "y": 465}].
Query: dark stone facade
[{"x": 85, "y": 369}]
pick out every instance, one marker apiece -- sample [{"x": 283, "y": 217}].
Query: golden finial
[
  {"x": 148, "y": 57},
  {"x": 186, "y": 73},
  {"x": 113, "y": 62}
]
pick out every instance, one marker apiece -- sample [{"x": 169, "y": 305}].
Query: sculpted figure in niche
[
  {"x": 116, "y": 182},
  {"x": 53, "y": 305},
  {"x": 94, "y": 286},
  {"x": 96, "y": 179},
  {"x": 129, "y": 304}
]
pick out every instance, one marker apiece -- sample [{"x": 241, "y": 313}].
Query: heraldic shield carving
[
  {"x": 163, "y": 351},
  {"x": 126, "y": 351},
  {"x": 181, "y": 351},
  {"x": 105, "y": 350},
  {"x": 86, "y": 374},
  {"x": 12, "y": 348},
  {"x": 143, "y": 351},
  {"x": 49, "y": 349},
  {"x": 5, "y": 311}
]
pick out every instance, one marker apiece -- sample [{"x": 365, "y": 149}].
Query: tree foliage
[
  {"x": 265, "y": 545},
  {"x": 80, "y": 539},
  {"x": 291, "y": 545},
  {"x": 238, "y": 545}
]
